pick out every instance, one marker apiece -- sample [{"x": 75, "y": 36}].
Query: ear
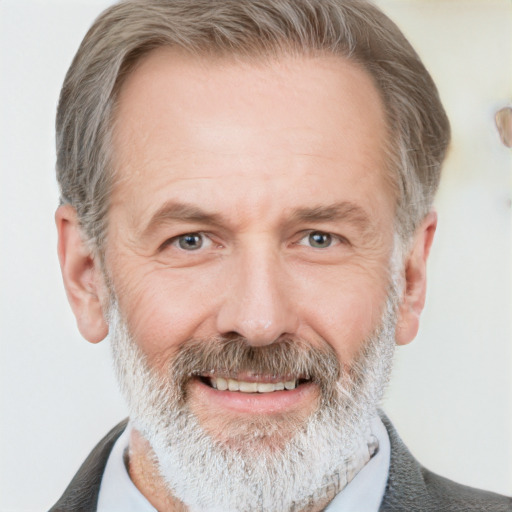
[
  {"x": 413, "y": 299},
  {"x": 82, "y": 276}
]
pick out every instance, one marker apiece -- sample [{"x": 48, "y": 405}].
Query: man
[{"x": 246, "y": 210}]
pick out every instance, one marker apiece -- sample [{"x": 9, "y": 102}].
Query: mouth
[
  {"x": 254, "y": 384},
  {"x": 250, "y": 395}
]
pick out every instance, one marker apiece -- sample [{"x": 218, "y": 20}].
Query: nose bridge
[{"x": 257, "y": 305}]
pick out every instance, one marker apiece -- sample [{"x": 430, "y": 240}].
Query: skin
[{"x": 260, "y": 148}]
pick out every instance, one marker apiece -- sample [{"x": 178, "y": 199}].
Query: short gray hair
[{"x": 418, "y": 128}]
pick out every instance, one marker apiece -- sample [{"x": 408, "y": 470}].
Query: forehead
[{"x": 206, "y": 130}]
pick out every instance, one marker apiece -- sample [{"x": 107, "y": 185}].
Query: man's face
[{"x": 251, "y": 201}]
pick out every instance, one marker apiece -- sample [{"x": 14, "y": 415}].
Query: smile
[
  {"x": 227, "y": 384},
  {"x": 252, "y": 394}
]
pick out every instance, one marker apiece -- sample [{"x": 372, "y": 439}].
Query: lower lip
[{"x": 255, "y": 403}]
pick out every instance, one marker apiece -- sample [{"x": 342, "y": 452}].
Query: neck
[{"x": 143, "y": 471}]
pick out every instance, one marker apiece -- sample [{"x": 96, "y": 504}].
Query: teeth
[
  {"x": 265, "y": 387},
  {"x": 233, "y": 385},
  {"x": 290, "y": 384},
  {"x": 222, "y": 384},
  {"x": 251, "y": 387},
  {"x": 248, "y": 387}
]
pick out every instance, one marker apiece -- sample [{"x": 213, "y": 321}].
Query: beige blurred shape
[{"x": 504, "y": 125}]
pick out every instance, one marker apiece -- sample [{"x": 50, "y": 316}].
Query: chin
[{"x": 253, "y": 434}]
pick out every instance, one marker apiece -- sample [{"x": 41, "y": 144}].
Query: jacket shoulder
[
  {"x": 413, "y": 488},
  {"x": 82, "y": 492},
  {"x": 453, "y": 496}
]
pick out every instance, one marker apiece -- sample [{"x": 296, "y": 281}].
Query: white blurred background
[{"x": 451, "y": 393}]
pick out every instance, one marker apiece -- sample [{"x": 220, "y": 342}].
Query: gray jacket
[{"x": 410, "y": 487}]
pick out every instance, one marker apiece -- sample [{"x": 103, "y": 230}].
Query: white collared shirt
[{"x": 363, "y": 494}]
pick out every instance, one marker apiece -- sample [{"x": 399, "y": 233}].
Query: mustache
[{"x": 230, "y": 356}]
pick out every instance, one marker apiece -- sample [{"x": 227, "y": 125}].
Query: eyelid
[
  {"x": 173, "y": 241},
  {"x": 336, "y": 239}
]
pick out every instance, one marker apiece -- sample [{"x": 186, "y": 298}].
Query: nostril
[
  {"x": 231, "y": 335},
  {"x": 256, "y": 311}
]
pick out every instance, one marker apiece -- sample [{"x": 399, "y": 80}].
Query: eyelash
[
  {"x": 334, "y": 239},
  {"x": 175, "y": 240}
]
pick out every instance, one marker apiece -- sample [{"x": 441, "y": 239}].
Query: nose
[{"x": 258, "y": 300}]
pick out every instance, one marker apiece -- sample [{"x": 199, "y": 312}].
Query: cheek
[
  {"x": 165, "y": 307},
  {"x": 344, "y": 311}
]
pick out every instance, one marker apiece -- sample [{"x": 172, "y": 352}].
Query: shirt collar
[
  {"x": 117, "y": 492},
  {"x": 366, "y": 490}
]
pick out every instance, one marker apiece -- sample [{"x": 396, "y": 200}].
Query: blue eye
[
  {"x": 319, "y": 240},
  {"x": 190, "y": 241}
]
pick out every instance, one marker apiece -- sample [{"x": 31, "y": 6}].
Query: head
[
  {"x": 351, "y": 29},
  {"x": 247, "y": 191}
]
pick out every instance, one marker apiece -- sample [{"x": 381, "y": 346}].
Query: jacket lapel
[
  {"x": 82, "y": 493},
  {"x": 406, "y": 489}
]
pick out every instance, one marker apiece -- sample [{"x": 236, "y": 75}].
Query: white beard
[{"x": 321, "y": 457}]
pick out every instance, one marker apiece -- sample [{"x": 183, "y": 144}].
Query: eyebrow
[
  {"x": 172, "y": 211},
  {"x": 344, "y": 211}
]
